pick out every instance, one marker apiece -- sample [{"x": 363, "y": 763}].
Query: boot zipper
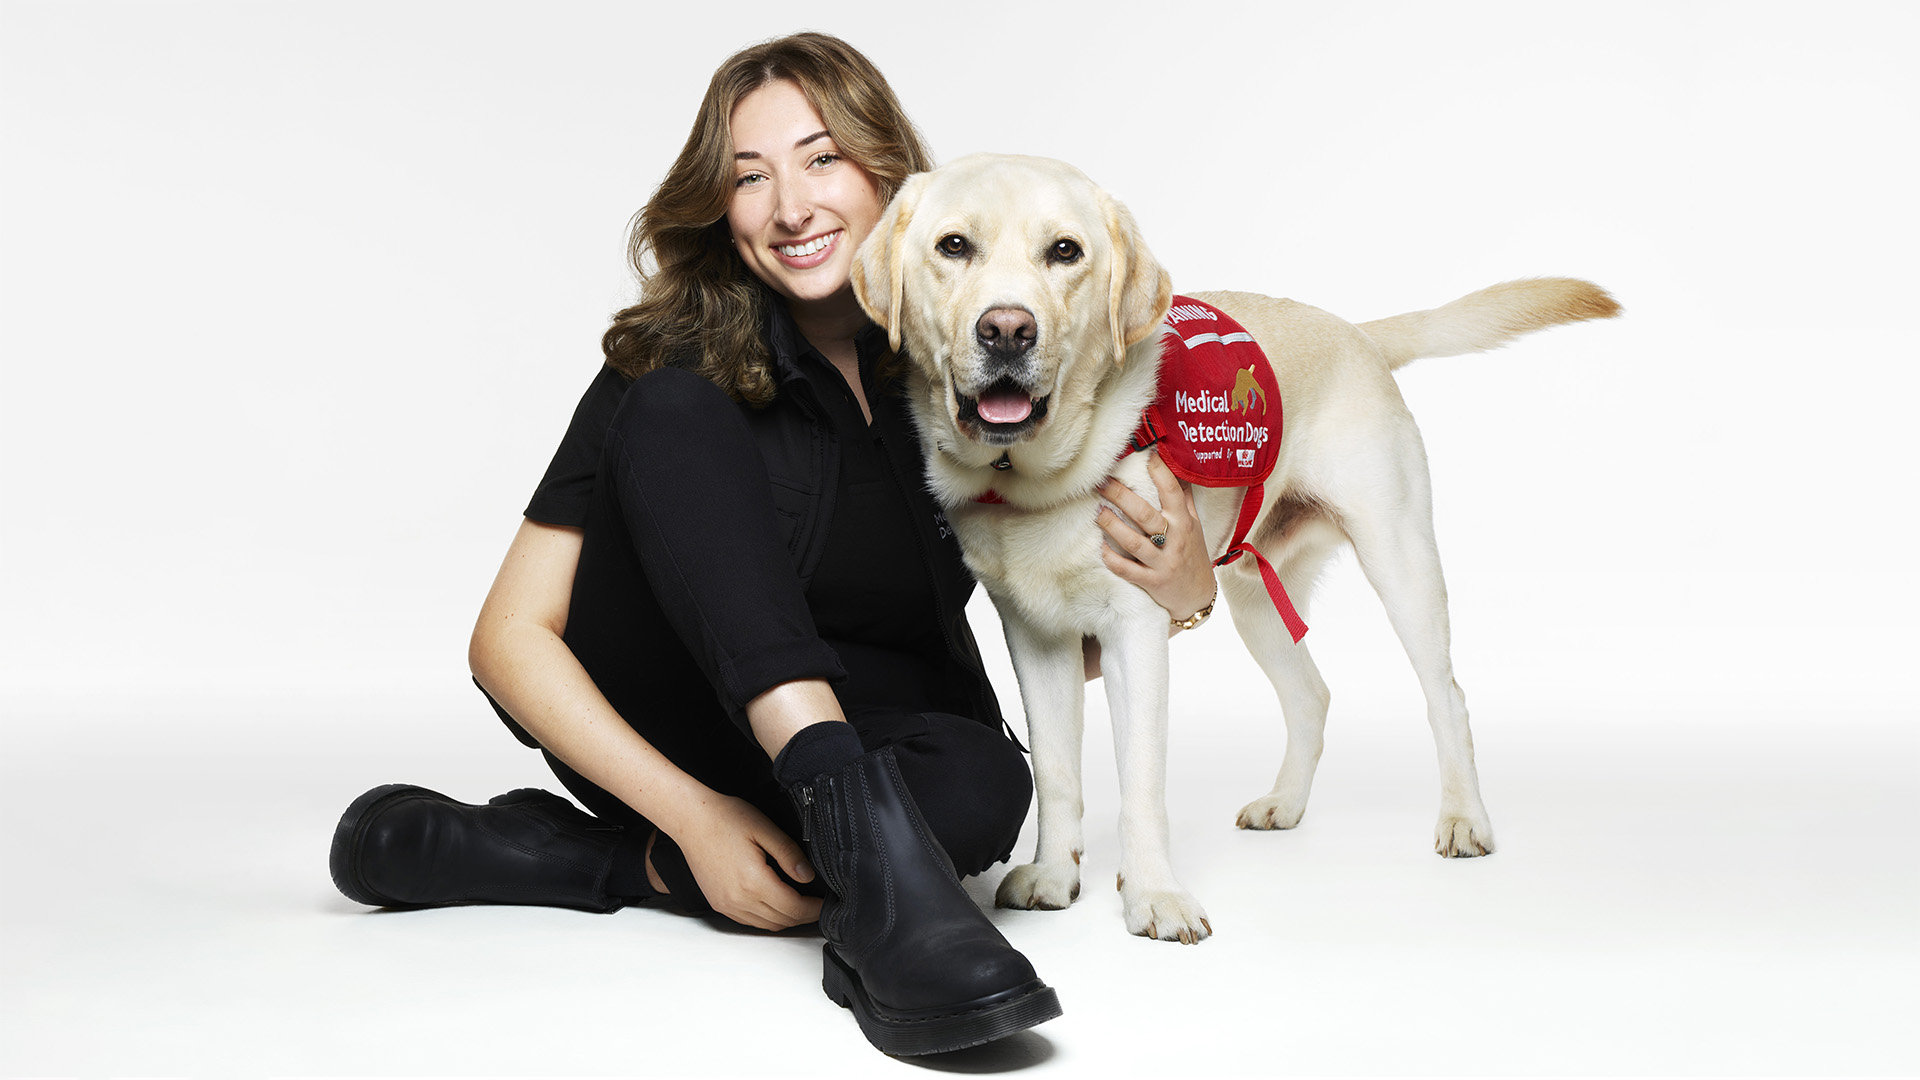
[{"x": 815, "y": 814}]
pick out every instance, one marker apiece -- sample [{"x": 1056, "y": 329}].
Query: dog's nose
[{"x": 1006, "y": 331}]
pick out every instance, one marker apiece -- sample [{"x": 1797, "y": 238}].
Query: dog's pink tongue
[{"x": 1005, "y": 406}]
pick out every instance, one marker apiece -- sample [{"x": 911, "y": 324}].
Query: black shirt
[
  {"x": 871, "y": 595},
  {"x": 871, "y": 590}
]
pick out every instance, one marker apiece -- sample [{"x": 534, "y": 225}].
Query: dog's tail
[{"x": 1489, "y": 318}]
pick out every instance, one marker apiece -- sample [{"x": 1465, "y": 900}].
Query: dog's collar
[
  {"x": 990, "y": 496},
  {"x": 1143, "y": 436}
]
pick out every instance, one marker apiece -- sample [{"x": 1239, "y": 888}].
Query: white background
[{"x": 296, "y": 299}]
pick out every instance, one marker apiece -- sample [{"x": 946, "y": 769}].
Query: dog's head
[{"x": 1011, "y": 281}]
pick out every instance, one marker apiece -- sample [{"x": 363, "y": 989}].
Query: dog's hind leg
[
  {"x": 1296, "y": 681},
  {"x": 1398, "y": 554},
  {"x": 1053, "y": 693}
]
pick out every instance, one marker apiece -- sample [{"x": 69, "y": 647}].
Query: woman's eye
[
  {"x": 825, "y": 159},
  {"x": 954, "y": 246},
  {"x": 748, "y": 180},
  {"x": 1064, "y": 251}
]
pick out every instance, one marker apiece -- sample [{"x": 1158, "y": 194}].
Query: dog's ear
[
  {"x": 1138, "y": 296},
  {"x": 878, "y": 283}
]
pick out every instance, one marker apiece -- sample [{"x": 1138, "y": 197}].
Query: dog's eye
[
  {"x": 1064, "y": 251},
  {"x": 954, "y": 246}
]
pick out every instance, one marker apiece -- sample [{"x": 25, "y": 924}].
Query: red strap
[
  {"x": 1276, "y": 591},
  {"x": 1145, "y": 435},
  {"x": 1250, "y": 509}
]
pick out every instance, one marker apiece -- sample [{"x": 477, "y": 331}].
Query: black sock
[
  {"x": 683, "y": 889},
  {"x": 824, "y": 747},
  {"x": 628, "y": 877}
]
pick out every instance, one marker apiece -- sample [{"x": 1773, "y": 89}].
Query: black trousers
[{"x": 686, "y": 604}]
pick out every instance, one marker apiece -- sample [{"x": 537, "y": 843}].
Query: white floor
[
  {"x": 1672, "y": 894},
  {"x": 297, "y": 296}
]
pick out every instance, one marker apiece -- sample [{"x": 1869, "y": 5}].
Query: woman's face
[{"x": 798, "y": 209}]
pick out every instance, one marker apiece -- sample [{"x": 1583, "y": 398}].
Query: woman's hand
[
  {"x": 726, "y": 846},
  {"x": 1178, "y": 575}
]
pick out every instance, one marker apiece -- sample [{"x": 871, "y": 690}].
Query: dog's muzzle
[{"x": 1001, "y": 414}]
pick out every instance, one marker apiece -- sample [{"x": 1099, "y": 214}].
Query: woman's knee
[
  {"x": 972, "y": 785},
  {"x": 672, "y": 407},
  {"x": 680, "y": 446}
]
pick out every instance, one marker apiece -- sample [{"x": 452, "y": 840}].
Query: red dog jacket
[{"x": 1217, "y": 422}]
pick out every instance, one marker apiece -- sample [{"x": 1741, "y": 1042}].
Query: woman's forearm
[
  {"x": 519, "y": 657},
  {"x": 532, "y": 673}
]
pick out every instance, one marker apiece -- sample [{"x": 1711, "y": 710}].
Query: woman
[{"x": 733, "y": 615}]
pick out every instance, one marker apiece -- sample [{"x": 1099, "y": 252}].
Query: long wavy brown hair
[{"x": 699, "y": 305}]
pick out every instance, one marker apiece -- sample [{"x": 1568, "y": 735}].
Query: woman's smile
[{"x": 809, "y": 253}]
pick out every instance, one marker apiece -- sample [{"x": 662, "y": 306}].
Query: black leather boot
[
  {"x": 401, "y": 846},
  {"x": 907, "y": 949}
]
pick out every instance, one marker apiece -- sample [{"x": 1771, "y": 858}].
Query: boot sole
[
  {"x": 345, "y": 856},
  {"x": 964, "y": 1025}
]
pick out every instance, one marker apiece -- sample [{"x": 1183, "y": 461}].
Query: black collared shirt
[
  {"x": 870, "y": 593},
  {"x": 882, "y": 574}
]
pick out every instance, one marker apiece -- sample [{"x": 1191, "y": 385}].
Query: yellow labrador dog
[{"x": 1032, "y": 314}]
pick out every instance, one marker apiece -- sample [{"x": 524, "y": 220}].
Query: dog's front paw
[
  {"x": 1272, "y": 811},
  {"x": 1165, "y": 914},
  {"x": 1460, "y": 837},
  {"x": 1038, "y": 885}
]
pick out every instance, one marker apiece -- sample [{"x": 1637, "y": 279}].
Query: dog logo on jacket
[{"x": 1246, "y": 391}]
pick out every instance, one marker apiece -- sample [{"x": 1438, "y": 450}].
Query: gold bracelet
[{"x": 1200, "y": 616}]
